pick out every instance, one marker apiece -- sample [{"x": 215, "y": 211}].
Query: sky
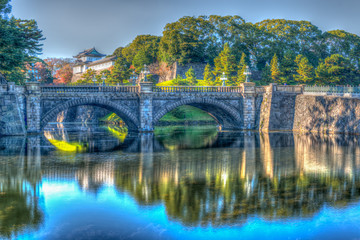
[{"x": 71, "y": 26}]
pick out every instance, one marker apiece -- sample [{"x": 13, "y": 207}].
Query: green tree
[
  {"x": 208, "y": 76},
  {"x": 179, "y": 81},
  {"x": 120, "y": 72},
  {"x": 241, "y": 69},
  {"x": 140, "y": 59},
  {"x": 266, "y": 75},
  {"x": 191, "y": 77},
  {"x": 19, "y": 44},
  {"x": 147, "y": 44},
  {"x": 224, "y": 63},
  {"x": 87, "y": 77},
  {"x": 336, "y": 70},
  {"x": 343, "y": 43},
  {"x": 300, "y": 37},
  {"x": 305, "y": 71},
  {"x": 288, "y": 68},
  {"x": 184, "y": 41},
  {"x": 275, "y": 70},
  {"x": 106, "y": 73}
]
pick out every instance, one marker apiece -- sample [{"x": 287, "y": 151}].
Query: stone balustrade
[
  {"x": 196, "y": 89},
  {"x": 88, "y": 88},
  {"x": 289, "y": 88},
  {"x": 234, "y": 107}
]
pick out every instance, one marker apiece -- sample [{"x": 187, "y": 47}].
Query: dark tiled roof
[
  {"x": 80, "y": 63},
  {"x": 108, "y": 59},
  {"x": 91, "y": 52}
]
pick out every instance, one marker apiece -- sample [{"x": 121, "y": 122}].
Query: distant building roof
[
  {"x": 80, "y": 63},
  {"x": 107, "y": 59},
  {"x": 91, "y": 52}
]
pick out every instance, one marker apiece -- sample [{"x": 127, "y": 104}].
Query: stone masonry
[
  {"x": 271, "y": 108},
  {"x": 11, "y": 111},
  {"x": 140, "y": 107}
]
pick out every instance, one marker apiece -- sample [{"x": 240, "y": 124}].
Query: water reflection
[
  {"x": 94, "y": 139},
  {"x": 20, "y": 179},
  {"x": 202, "y": 178}
]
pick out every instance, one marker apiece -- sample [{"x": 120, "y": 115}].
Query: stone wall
[
  {"x": 11, "y": 112},
  {"x": 166, "y": 73},
  {"x": 281, "y": 111},
  {"x": 273, "y": 108},
  {"x": 327, "y": 114},
  {"x": 277, "y": 110},
  {"x": 82, "y": 114}
]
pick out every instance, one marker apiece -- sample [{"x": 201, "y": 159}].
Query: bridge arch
[
  {"x": 125, "y": 114},
  {"x": 225, "y": 115}
]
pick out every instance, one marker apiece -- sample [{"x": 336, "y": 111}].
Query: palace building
[{"x": 92, "y": 59}]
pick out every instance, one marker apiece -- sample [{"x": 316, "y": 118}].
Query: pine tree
[
  {"x": 241, "y": 69},
  {"x": 288, "y": 68},
  {"x": 266, "y": 75},
  {"x": 305, "y": 71},
  {"x": 225, "y": 62},
  {"x": 275, "y": 71},
  {"x": 336, "y": 69},
  {"x": 121, "y": 70},
  {"x": 179, "y": 81},
  {"x": 208, "y": 76},
  {"x": 191, "y": 77}
]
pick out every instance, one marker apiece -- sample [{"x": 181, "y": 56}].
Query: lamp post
[
  {"x": 30, "y": 75},
  {"x": 223, "y": 78},
  {"x": 247, "y": 72},
  {"x": 145, "y": 71},
  {"x": 103, "y": 77},
  {"x": 94, "y": 80},
  {"x": 133, "y": 78}
]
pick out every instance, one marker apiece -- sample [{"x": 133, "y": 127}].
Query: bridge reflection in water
[{"x": 224, "y": 178}]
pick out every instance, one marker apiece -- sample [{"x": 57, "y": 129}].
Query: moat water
[{"x": 179, "y": 183}]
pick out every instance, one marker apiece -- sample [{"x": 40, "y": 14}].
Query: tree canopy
[
  {"x": 299, "y": 48},
  {"x": 20, "y": 43}
]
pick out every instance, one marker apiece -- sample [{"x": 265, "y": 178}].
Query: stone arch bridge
[{"x": 141, "y": 107}]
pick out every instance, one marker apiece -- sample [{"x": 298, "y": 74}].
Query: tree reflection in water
[
  {"x": 20, "y": 178},
  {"x": 274, "y": 176},
  {"x": 221, "y": 179}
]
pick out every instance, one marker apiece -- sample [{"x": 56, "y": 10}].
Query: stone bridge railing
[
  {"x": 344, "y": 91},
  {"x": 196, "y": 89},
  {"x": 166, "y": 89},
  {"x": 289, "y": 88},
  {"x": 88, "y": 88}
]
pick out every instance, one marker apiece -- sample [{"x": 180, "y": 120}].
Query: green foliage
[
  {"x": 266, "y": 75},
  {"x": 190, "y": 76},
  {"x": 275, "y": 71},
  {"x": 208, "y": 76},
  {"x": 305, "y": 71},
  {"x": 121, "y": 71},
  {"x": 241, "y": 69},
  {"x": 5, "y": 8},
  {"x": 183, "y": 41},
  {"x": 185, "y": 113},
  {"x": 179, "y": 81},
  {"x": 224, "y": 63},
  {"x": 88, "y": 76},
  {"x": 19, "y": 44},
  {"x": 222, "y": 41},
  {"x": 343, "y": 43},
  {"x": 336, "y": 70},
  {"x": 140, "y": 60},
  {"x": 148, "y": 45},
  {"x": 288, "y": 67}
]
